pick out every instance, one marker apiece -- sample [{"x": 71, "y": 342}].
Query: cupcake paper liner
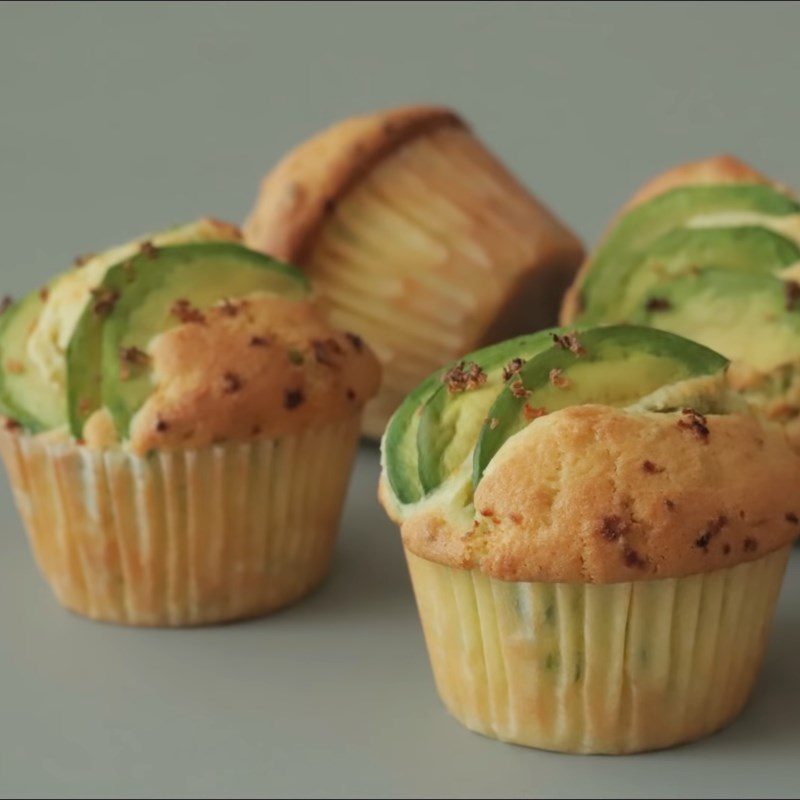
[
  {"x": 183, "y": 537},
  {"x": 585, "y": 668},
  {"x": 421, "y": 254}
]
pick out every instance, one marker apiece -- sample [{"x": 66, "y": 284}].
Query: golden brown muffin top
[
  {"x": 597, "y": 494},
  {"x": 258, "y": 366},
  {"x": 303, "y": 189}
]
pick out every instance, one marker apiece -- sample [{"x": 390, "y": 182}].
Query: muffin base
[
  {"x": 187, "y": 537},
  {"x": 584, "y": 668}
]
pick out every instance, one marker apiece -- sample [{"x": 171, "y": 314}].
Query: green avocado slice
[
  {"x": 25, "y": 396},
  {"x": 614, "y": 365},
  {"x": 134, "y": 303},
  {"x": 630, "y": 240},
  {"x": 747, "y": 317},
  {"x": 450, "y": 421},
  {"x": 687, "y": 250}
]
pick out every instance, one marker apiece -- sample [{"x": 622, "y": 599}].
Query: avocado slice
[
  {"x": 450, "y": 421},
  {"x": 688, "y": 250},
  {"x": 134, "y": 303},
  {"x": 614, "y": 365},
  {"x": 747, "y": 317},
  {"x": 24, "y": 394},
  {"x": 628, "y": 244}
]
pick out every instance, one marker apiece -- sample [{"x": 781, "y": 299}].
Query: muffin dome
[
  {"x": 708, "y": 250},
  {"x": 417, "y": 239},
  {"x": 181, "y": 339},
  {"x": 597, "y": 456}
]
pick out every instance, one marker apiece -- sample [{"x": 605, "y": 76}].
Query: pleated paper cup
[
  {"x": 436, "y": 250},
  {"x": 585, "y": 668},
  {"x": 186, "y": 537}
]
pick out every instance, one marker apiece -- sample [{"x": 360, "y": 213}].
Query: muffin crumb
[
  {"x": 569, "y": 341},
  {"x": 512, "y": 368},
  {"x": 612, "y": 527},
  {"x": 44, "y": 293},
  {"x": 292, "y": 398},
  {"x": 148, "y": 250},
  {"x": 82, "y": 260},
  {"x": 791, "y": 291},
  {"x": 558, "y": 379},
  {"x": 658, "y": 304},
  {"x": 712, "y": 529},
  {"x": 6, "y": 303},
  {"x": 694, "y": 422},
  {"x": 533, "y": 413},
  {"x": 104, "y": 301},
  {"x": 232, "y": 383},
  {"x": 186, "y": 312},
  {"x": 228, "y": 307},
  {"x": 464, "y": 377}
]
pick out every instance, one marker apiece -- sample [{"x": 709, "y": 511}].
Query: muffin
[
  {"x": 711, "y": 251},
  {"x": 418, "y": 239},
  {"x": 596, "y": 528},
  {"x": 179, "y": 426}
]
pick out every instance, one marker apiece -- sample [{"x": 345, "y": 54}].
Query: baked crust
[
  {"x": 261, "y": 366},
  {"x": 596, "y": 494},
  {"x": 715, "y": 170},
  {"x": 302, "y": 190}
]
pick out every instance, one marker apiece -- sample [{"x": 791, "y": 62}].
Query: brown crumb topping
[
  {"x": 464, "y": 377},
  {"x": 44, "y": 293},
  {"x": 633, "y": 559},
  {"x": 83, "y": 259},
  {"x": 750, "y": 545},
  {"x": 227, "y": 307},
  {"x": 355, "y": 340},
  {"x": 104, "y": 300},
  {"x": 134, "y": 356},
  {"x": 295, "y": 356},
  {"x": 790, "y": 516},
  {"x": 650, "y": 468},
  {"x": 791, "y": 291},
  {"x": 558, "y": 379},
  {"x": 695, "y": 422},
  {"x": 569, "y": 341},
  {"x": 186, "y": 312},
  {"x": 259, "y": 341},
  {"x": 6, "y": 303},
  {"x": 148, "y": 249},
  {"x": 658, "y": 304},
  {"x": 231, "y": 383},
  {"x": 612, "y": 527},
  {"x": 518, "y": 390},
  {"x": 325, "y": 350},
  {"x": 292, "y": 398},
  {"x": 712, "y": 529},
  {"x": 531, "y": 413},
  {"x": 512, "y": 368}
]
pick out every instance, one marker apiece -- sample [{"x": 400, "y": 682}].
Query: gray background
[{"x": 115, "y": 120}]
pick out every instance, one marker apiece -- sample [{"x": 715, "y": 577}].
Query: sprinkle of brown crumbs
[
  {"x": 532, "y": 413},
  {"x": 232, "y": 383},
  {"x": 148, "y": 249},
  {"x": 6, "y": 303},
  {"x": 464, "y": 377},
  {"x": 512, "y": 368},
  {"x": 658, "y": 304},
  {"x": 227, "y": 307},
  {"x": 791, "y": 290},
  {"x": 518, "y": 390},
  {"x": 569, "y": 341},
  {"x": 104, "y": 301},
  {"x": 558, "y": 379},
  {"x": 44, "y": 293},
  {"x": 712, "y": 529},
  {"x": 293, "y": 398},
  {"x": 186, "y": 312},
  {"x": 83, "y": 259},
  {"x": 694, "y": 422}
]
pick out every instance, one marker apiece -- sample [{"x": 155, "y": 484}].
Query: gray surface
[{"x": 116, "y": 120}]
